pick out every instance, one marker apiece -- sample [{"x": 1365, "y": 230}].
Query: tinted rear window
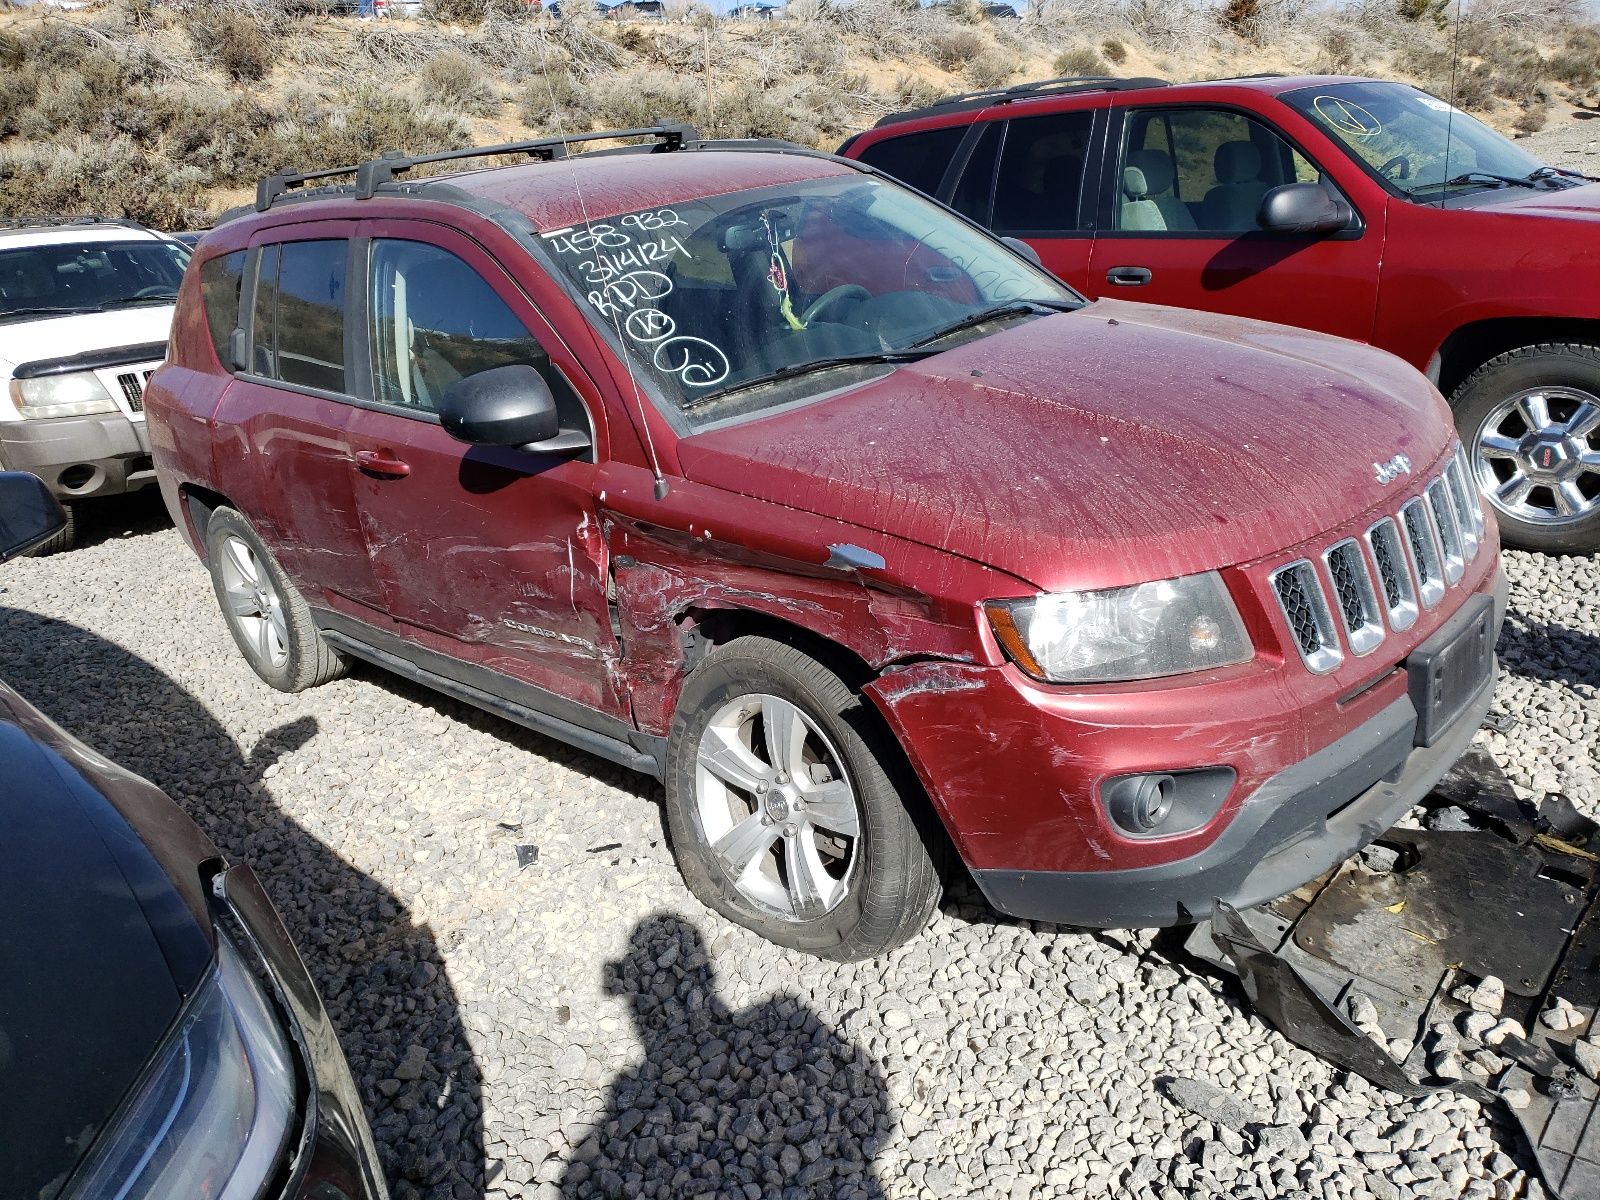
[
  {"x": 219, "y": 290},
  {"x": 917, "y": 159},
  {"x": 300, "y": 304}
]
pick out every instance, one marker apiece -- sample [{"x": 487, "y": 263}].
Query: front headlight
[
  {"x": 210, "y": 1119},
  {"x": 1165, "y": 628},
  {"x": 78, "y": 394}
]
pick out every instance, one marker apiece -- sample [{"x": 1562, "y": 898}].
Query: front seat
[
  {"x": 1156, "y": 166},
  {"x": 1234, "y": 202},
  {"x": 1137, "y": 212}
]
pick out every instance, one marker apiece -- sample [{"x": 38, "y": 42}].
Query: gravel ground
[
  {"x": 1570, "y": 140},
  {"x": 581, "y": 1025}
]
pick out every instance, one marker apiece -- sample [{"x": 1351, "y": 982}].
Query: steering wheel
[
  {"x": 156, "y": 289},
  {"x": 1401, "y": 161},
  {"x": 845, "y": 291}
]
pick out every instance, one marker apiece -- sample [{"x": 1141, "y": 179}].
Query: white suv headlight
[
  {"x": 210, "y": 1118},
  {"x": 1169, "y": 627},
  {"x": 77, "y": 394}
]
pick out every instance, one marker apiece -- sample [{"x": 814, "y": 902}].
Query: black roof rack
[
  {"x": 1025, "y": 91},
  {"x": 384, "y": 168}
]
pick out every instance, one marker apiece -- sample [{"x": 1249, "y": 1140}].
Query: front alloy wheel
[
  {"x": 1531, "y": 420},
  {"x": 775, "y": 806}
]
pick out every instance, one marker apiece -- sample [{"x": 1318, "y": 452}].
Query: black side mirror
[
  {"x": 508, "y": 406},
  {"x": 1018, "y": 246},
  {"x": 1302, "y": 208},
  {"x": 29, "y": 513}
]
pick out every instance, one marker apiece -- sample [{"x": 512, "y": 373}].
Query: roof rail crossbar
[
  {"x": 1038, "y": 89},
  {"x": 391, "y": 163}
]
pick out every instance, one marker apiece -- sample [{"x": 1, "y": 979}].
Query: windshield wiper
[
  {"x": 131, "y": 301},
  {"x": 815, "y": 364},
  {"x": 1467, "y": 177},
  {"x": 1546, "y": 172},
  {"x": 1010, "y": 308}
]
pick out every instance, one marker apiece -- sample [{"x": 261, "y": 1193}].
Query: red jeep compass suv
[
  {"x": 1367, "y": 209},
  {"x": 746, "y": 467}
]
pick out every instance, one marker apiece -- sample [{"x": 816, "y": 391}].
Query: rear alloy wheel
[
  {"x": 269, "y": 619},
  {"x": 1531, "y": 420},
  {"x": 787, "y": 805}
]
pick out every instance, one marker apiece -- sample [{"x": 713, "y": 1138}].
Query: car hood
[
  {"x": 1582, "y": 203},
  {"x": 56, "y": 337},
  {"x": 1112, "y": 445},
  {"x": 100, "y": 946}
]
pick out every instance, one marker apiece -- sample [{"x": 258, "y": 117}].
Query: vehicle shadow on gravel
[
  {"x": 111, "y": 518},
  {"x": 763, "y": 1102},
  {"x": 380, "y": 976},
  {"x": 1539, "y": 648}
]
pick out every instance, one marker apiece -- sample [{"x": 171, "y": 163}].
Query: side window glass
[
  {"x": 972, "y": 194},
  {"x": 917, "y": 159},
  {"x": 1041, "y": 174},
  {"x": 311, "y": 302},
  {"x": 436, "y": 320},
  {"x": 220, "y": 278},
  {"x": 1201, "y": 171}
]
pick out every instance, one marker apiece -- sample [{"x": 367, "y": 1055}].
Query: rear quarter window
[
  {"x": 916, "y": 159},
  {"x": 220, "y": 280}
]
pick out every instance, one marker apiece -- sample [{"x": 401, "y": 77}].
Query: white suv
[{"x": 85, "y": 308}]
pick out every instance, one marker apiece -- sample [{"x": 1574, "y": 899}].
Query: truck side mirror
[
  {"x": 29, "y": 513},
  {"x": 508, "y": 406},
  {"x": 1018, "y": 246},
  {"x": 1302, "y": 208}
]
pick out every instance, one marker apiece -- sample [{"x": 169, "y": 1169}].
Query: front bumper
[
  {"x": 334, "y": 1158},
  {"x": 81, "y": 457}
]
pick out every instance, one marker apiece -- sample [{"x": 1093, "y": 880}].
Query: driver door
[{"x": 1178, "y": 225}]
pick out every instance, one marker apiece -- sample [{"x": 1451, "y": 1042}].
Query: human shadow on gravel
[
  {"x": 379, "y": 975},
  {"x": 765, "y": 1102}
]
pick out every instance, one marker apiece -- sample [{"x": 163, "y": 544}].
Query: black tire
[
  {"x": 307, "y": 660},
  {"x": 63, "y": 540},
  {"x": 1562, "y": 367},
  {"x": 893, "y": 881}
]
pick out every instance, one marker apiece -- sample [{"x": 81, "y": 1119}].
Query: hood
[
  {"x": 99, "y": 948},
  {"x": 1112, "y": 445},
  {"x": 1582, "y": 203},
  {"x": 56, "y": 337}
]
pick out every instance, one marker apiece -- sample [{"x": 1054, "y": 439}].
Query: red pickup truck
[{"x": 1362, "y": 208}]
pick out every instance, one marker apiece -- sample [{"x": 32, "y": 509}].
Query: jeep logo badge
[{"x": 1398, "y": 465}]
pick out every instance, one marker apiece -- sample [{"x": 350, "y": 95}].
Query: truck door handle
[
  {"x": 1128, "y": 276},
  {"x": 381, "y": 462}
]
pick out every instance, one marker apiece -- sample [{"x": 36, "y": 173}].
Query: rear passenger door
[
  {"x": 485, "y": 554},
  {"x": 1178, "y": 211},
  {"x": 282, "y": 451}
]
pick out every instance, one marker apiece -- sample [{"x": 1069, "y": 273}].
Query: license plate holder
[{"x": 1451, "y": 667}]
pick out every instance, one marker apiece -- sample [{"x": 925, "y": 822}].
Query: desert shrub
[
  {"x": 458, "y": 83},
  {"x": 1436, "y": 12},
  {"x": 1241, "y": 16},
  {"x": 635, "y": 99},
  {"x": 1339, "y": 53},
  {"x": 1079, "y": 60},
  {"x": 992, "y": 68},
  {"x": 361, "y": 124},
  {"x": 552, "y": 101},
  {"x": 232, "y": 42},
  {"x": 1578, "y": 62},
  {"x": 953, "y": 49},
  {"x": 912, "y": 92},
  {"x": 1533, "y": 118},
  {"x": 113, "y": 177},
  {"x": 455, "y": 12},
  {"x": 1116, "y": 53}
]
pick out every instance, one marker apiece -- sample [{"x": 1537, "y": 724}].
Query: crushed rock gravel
[{"x": 580, "y": 1025}]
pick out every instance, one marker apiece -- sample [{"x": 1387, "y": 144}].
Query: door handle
[
  {"x": 381, "y": 462},
  {"x": 1128, "y": 276}
]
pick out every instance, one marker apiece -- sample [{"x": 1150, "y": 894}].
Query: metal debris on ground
[{"x": 526, "y": 856}]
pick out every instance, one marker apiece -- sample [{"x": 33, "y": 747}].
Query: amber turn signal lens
[{"x": 1011, "y": 640}]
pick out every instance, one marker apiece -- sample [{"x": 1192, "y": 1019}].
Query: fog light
[{"x": 1160, "y": 804}]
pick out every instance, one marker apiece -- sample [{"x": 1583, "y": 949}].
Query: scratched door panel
[{"x": 496, "y": 550}]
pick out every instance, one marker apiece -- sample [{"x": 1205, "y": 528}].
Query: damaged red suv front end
[{"x": 813, "y": 500}]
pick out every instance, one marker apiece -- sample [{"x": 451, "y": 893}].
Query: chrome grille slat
[
  {"x": 1399, "y": 592},
  {"x": 1422, "y": 546},
  {"x": 1305, "y": 606},
  {"x": 1468, "y": 504},
  {"x": 132, "y": 386},
  {"x": 1443, "y": 513},
  {"x": 1357, "y": 601}
]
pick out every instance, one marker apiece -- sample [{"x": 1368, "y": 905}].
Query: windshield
[
  {"x": 738, "y": 303},
  {"x": 1415, "y": 143},
  {"x": 77, "y": 277}
]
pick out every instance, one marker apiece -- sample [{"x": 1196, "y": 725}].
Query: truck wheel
[
  {"x": 266, "y": 614},
  {"x": 1531, "y": 421},
  {"x": 66, "y": 539},
  {"x": 787, "y": 803}
]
